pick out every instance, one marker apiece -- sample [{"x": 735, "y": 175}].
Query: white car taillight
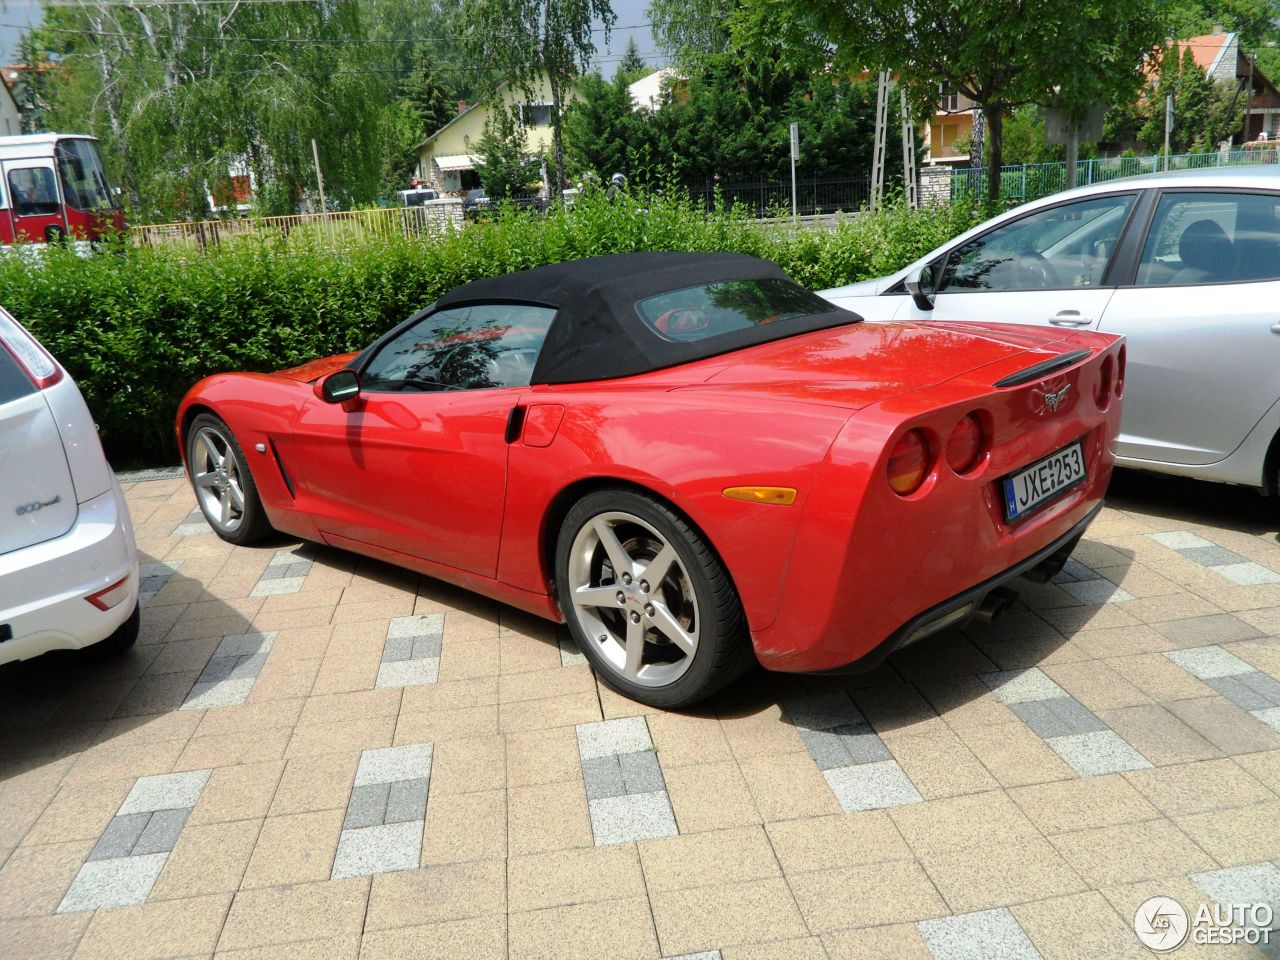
[
  {"x": 118, "y": 592},
  {"x": 32, "y": 357}
]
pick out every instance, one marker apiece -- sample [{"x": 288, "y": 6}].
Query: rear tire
[
  {"x": 223, "y": 482},
  {"x": 667, "y": 643},
  {"x": 126, "y": 636}
]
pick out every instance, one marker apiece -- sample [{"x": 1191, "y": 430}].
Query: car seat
[{"x": 1207, "y": 254}]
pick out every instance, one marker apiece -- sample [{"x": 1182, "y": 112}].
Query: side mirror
[
  {"x": 340, "y": 386},
  {"x": 921, "y": 283}
]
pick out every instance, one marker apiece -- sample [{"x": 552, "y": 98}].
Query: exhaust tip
[{"x": 995, "y": 603}]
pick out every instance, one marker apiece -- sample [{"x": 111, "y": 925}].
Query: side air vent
[
  {"x": 284, "y": 474},
  {"x": 1043, "y": 368}
]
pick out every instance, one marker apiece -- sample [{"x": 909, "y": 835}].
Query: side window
[
  {"x": 1064, "y": 246},
  {"x": 1199, "y": 238},
  {"x": 34, "y": 192},
  {"x": 464, "y": 348}
]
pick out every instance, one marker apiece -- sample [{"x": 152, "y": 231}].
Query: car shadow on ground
[{"x": 1219, "y": 505}]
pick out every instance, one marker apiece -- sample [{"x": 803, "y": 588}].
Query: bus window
[
  {"x": 84, "y": 181},
  {"x": 35, "y": 194}
]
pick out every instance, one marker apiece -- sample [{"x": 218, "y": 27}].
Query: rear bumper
[
  {"x": 43, "y": 587},
  {"x": 960, "y": 609}
]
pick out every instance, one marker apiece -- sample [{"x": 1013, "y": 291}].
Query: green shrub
[{"x": 137, "y": 327}]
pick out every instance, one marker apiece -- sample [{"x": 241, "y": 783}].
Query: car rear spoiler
[{"x": 1044, "y": 368}]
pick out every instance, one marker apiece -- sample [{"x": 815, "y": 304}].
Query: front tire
[
  {"x": 223, "y": 483},
  {"x": 647, "y": 600}
]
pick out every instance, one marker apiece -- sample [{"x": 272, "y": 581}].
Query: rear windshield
[
  {"x": 715, "y": 309},
  {"x": 13, "y": 382}
]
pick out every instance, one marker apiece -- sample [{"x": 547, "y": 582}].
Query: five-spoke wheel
[{"x": 224, "y": 487}]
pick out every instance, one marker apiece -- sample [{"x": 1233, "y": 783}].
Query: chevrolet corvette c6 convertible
[{"x": 693, "y": 461}]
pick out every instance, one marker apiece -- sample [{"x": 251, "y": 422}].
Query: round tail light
[
  {"x": 1120, "y": 364},
  {"x": 1102, "y": 393},
  {"x": 908, "y": 463},
  {"x": 964, "y": 446}
]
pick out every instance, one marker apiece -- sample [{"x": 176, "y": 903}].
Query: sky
[{"x": 629, "y": 12}]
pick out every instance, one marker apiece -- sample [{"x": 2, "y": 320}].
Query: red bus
[{"x": 54, "y": 186}]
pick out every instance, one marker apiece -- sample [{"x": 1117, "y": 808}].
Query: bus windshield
[{"x": 84, "y": 181}]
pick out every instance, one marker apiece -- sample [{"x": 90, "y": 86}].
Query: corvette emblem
[{"x": 1056, "y": 399}]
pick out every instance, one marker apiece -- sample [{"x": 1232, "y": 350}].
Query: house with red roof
[{"x": 1220, "y": 56}]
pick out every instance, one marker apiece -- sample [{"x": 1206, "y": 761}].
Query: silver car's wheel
[
  {"x": 224, "y": 485},
  {"x": 633, "y": 599},
  {"x": 217, "y": 475},
  {"x": 647, "y": 600}
]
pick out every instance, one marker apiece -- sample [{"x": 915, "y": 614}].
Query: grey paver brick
[
  {"x": 823, "y": 711},
  {"x": 1263, "y": 684},
  {"x": 641, "y": 772},
  {"x": 218, "y": 669},
  {"x": 1097, "y": 591},
  {"x": 277, "y": 571},
  {"x": 705, "y": 955},
  {"x": 424, "y": 647},
  {"x": 389, "y": 764},
  {"x": 1251, "y": 883},
  {"x": 1098, "y": 753},
  {"x": 1207, "y": 662},
  {"x": 113, "y": 883},
  {"x": 1180, "y": 539},
  {"x": 1211, "y": 556},
  {"x": 862, "y": 743},
  {"x": 245, "y": 644},
  {"x": 622, "y": 735},
  {"x": 1271, "y": 717},
  {"x": 1022, "y": 686},
  {"x": 1058, "y": 717},
  {"x": 987, "y": 935},
  {"x": 120, "y": 836},
  {"x": 407, "y": 801},
  {"x": 408, "y": 673},
  {"x": 1247, "y": 574},
  {"x": 248, "y": 667},
  {"x": 276, "y": 588},
  {"x": 419, "y": 626},
  {"x": 223, "y": 693},
  {"x": 1241, "y": 693},
  {"x": 367, "y": 806},
  {"x": 872, "y": 786},
  {"x": 603, "y": 777},
  {"x": 635, "y": 816},
  {"x": 299, "y": 568},
  {"x": 397, "y": 649},
  {"x": 380, "y": 849},
  {"x": 1073, "y": 571},
  {"x": 161, "y": 832},
  {"x": 826, "y": 748},
  {"x": 168, "y": 791}
]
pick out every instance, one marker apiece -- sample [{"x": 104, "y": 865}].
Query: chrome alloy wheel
[
  {"x": 216, "y": 472},
  {"x": 633, "y": 599}
]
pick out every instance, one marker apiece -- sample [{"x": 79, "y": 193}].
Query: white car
[
  {"x": 68, "y": 561},
  {"x": 1185, "y": 265}
]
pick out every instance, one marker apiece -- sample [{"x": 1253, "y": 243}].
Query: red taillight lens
[
  {"x": 909, "y": 463},
  {"x": 1102, "y": 393},
  {"x": 32, "y": 357},
  {"x": 112, "y": 595},
  {"x": 964, "y": 446},
  {"x": 1120, "y": 364}
]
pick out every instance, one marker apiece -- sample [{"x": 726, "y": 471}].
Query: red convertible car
[{"x": 692, "y": 460}]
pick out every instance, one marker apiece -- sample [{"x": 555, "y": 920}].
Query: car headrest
[{"x": 1204, "y": 245}]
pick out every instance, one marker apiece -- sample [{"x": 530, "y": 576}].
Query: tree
[
  {"x": 430, "y": 101},
  {"x": 536, "y": 42},
  {"x": 504, "y": 171},
  {"x": 999, "y": 53},
  {"x": 632, "y": 66},
  {"x": 688, "y": 29},
  {"x": 1205, "y": 113},
  {"x": 602, "y": 131}
]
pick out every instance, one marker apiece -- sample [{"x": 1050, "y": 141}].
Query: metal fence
[
  {"x": 1023, "y": 182},
  {"x": 771, "y": 198}
]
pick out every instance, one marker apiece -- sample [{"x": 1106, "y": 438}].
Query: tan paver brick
[
  {"x": 568, "y": 710},
  {"x": 1226, "y": 726},
  {"x": 547, "y": 817},
  {"x": 621, "y": 929},
  {"x": 208, "y": 858},
  {"x": 544, "y": 756},
  {"x": 567, "y": 877},
  {"x": 312, "y": 911},
  {"x": 703, "y": 859},
  {"x": 444, "y": 892},
  {"x": 43, "y": 938},
  {"x": 1157, "y": 734},
  {"x": 786, "y": 786},
  {"x": 1237, "y": 836},
  {"x": 477, "y": 938},
  {"x": 315, "y": 783},
  {"x": 806, "y": 948},
  {"x": 709, "y": 918},
  {"x": 241, "y": 792},
  {"x": 467, "y": 765},
  {"x": 936, "y": 826},
  {"x": 710, "y": 797},
  {"x": 1079, "y": 927},
  {"x": 297, "y": 848},
  {"x": 990, "y": 875},
  {"x": 330, "y": 948},
  {"x": 465, "y": 826},
  {"x": 867, "y": 895},
  {"x": 684, "y": 741},
  {"x": 229, "y": 749},
  {"x": 1092, "y": 802},
  {"x": 842, "y": 840},
  {"x": 34, "y": 879},
  {"x": 156, "y": 931},
  {"x": 1198, "y": 787},
  {"x": 436, "y": 726},
  {"x": 1131, "y": 852},
  {"x": 349, "y": 736},
  {"x": 338, "y": 707},
  {"x": 901, "y": 941},
  {"x": 938, "y": 763}
]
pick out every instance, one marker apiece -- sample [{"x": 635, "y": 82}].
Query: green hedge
[{"x": 138, "y": 326}]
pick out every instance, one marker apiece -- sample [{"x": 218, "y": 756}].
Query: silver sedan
[{"x": 1185, "y": 265}]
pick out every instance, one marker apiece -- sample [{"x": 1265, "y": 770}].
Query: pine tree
[
  {"x": 632, "y": 66},
  {"x": 428, "y": 97}
]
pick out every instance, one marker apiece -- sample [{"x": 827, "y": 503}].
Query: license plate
[{"x": 1043, "y": 481}]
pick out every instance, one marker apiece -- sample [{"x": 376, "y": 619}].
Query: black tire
[
  {"x": 723, "y": 652},
  {"x": 126, "y": 636},
  {"x": 253, "y": 524}
]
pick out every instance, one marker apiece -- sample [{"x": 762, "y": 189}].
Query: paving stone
[
  {"x": 275, "y": 571},
  {"x": 1097, "y": 591},
  {"x": 872, "y": 786},
  {"x": 570, "y": 655},
  {"x": 633, "y": 817},
  {"x": 424, "y": 647},
  {"x": 120, "y": 836},
  {"x": 113, "y": 883},
  {"x": 217, "y": 670},
  {"x": 299, "y": 569},
  {"x": 247, "y": 668},
  {"x": 397, "y": 649},
  {"x": 407, "y": 800},
  {"x": 420, "y": 626},
  {"x": 1022, "y": 686},
  {"x": 408, "y": 673},
  {"x": 824, "y": 711},
  {"x": 1073, "y": 570},
  {"x": 1098, "y": 753},
  {"x": 368, "y": 806},
  {"x": 603, "y": 777},
  {"x": 276, "y": 588},
  {"x": 167, "y": 791},
  {"x": 1058, "y": 717},
  {"x": 245, "y": 644},
  {"x": 622, "y": 735},
  {"x": 641, "y": 772},
  {"x": 1247, "y": 574},
  {"x": 1263, "y": 684},
  {"x": 1242, "y": 694},
  {"x": 1270, "y": 717},
  {"x": 1207, "y": 662},
  {"x": 389, "y": 764},
  {"x": 1252, "y": 883},
  {"x": 1211, "y": 556},
  {"x": 826, "y": 748},
  {"x": 986, "y": 935},
  {"x": 380, "y": 849},
  {"x": 1180, "y": 540},
  {"x": 705, "y": 955},
  {"x": 223, "y": 693},
  {"x": 161, "y": 832}
]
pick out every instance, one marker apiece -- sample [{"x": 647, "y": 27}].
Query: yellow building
[
  {"x": 447, "y": 159},
  {"x": 952, "y": 124}
]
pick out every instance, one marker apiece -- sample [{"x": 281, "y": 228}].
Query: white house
[
  {"x": 646, "y": 93},
  {"x": 10, "y": 115}
]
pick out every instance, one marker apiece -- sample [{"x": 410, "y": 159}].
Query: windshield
[
  {"x": 84, "y": 181},
  {"x": 700, "y": 313}
]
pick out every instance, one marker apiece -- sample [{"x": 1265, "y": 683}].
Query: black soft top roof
[{"x": 597, "y": 333}]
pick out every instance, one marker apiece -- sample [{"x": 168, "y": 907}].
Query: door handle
[{"x": 1070, "y": 318}]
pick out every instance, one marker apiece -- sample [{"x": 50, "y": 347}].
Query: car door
[
  {"x": 35, "y": 202},
  {"x": 1048, "y": 267},
  {"x": 417, "y": 463},
  {"x": 1201, "y": 313}
]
